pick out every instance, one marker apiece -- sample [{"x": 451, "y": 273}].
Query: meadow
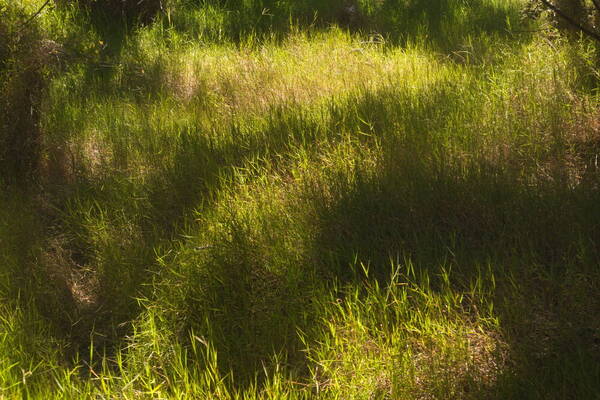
[{"x": 259, "y": 199}]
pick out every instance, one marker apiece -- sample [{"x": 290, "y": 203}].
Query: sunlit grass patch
[{"x": 406, "y": 340}]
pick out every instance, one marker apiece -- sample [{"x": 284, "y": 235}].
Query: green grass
[{"x": 254, "y": 200}]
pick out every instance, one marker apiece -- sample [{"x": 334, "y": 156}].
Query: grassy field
[{"x": 258, "y": 199}]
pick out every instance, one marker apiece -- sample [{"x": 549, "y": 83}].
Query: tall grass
[{"x": 240, "y": 200}]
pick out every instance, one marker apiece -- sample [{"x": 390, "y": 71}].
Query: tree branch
[
  {"x": 33, "y": 16},
  {"x": 572, "y": 21}
]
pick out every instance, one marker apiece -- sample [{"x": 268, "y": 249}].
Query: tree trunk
[{"x": 574, "y": 9}]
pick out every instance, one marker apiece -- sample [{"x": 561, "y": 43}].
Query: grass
[{"x": 251, "y": 200}]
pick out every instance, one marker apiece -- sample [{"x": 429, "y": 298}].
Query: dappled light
[{"x": 370, "y": 199}]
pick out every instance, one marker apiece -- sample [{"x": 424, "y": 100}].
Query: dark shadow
[
  {"x": 22, "y": 83},
  {"x": 542, "y": 240},
  {"x": 444, "y": 24}
]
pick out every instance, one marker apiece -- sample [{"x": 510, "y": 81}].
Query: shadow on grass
[
  {"x": 103, "y": 233},
  {"x": 541, "y": 242},
  {"x": 445, "y": 24},
  {"x": 543, "y": 239}
]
